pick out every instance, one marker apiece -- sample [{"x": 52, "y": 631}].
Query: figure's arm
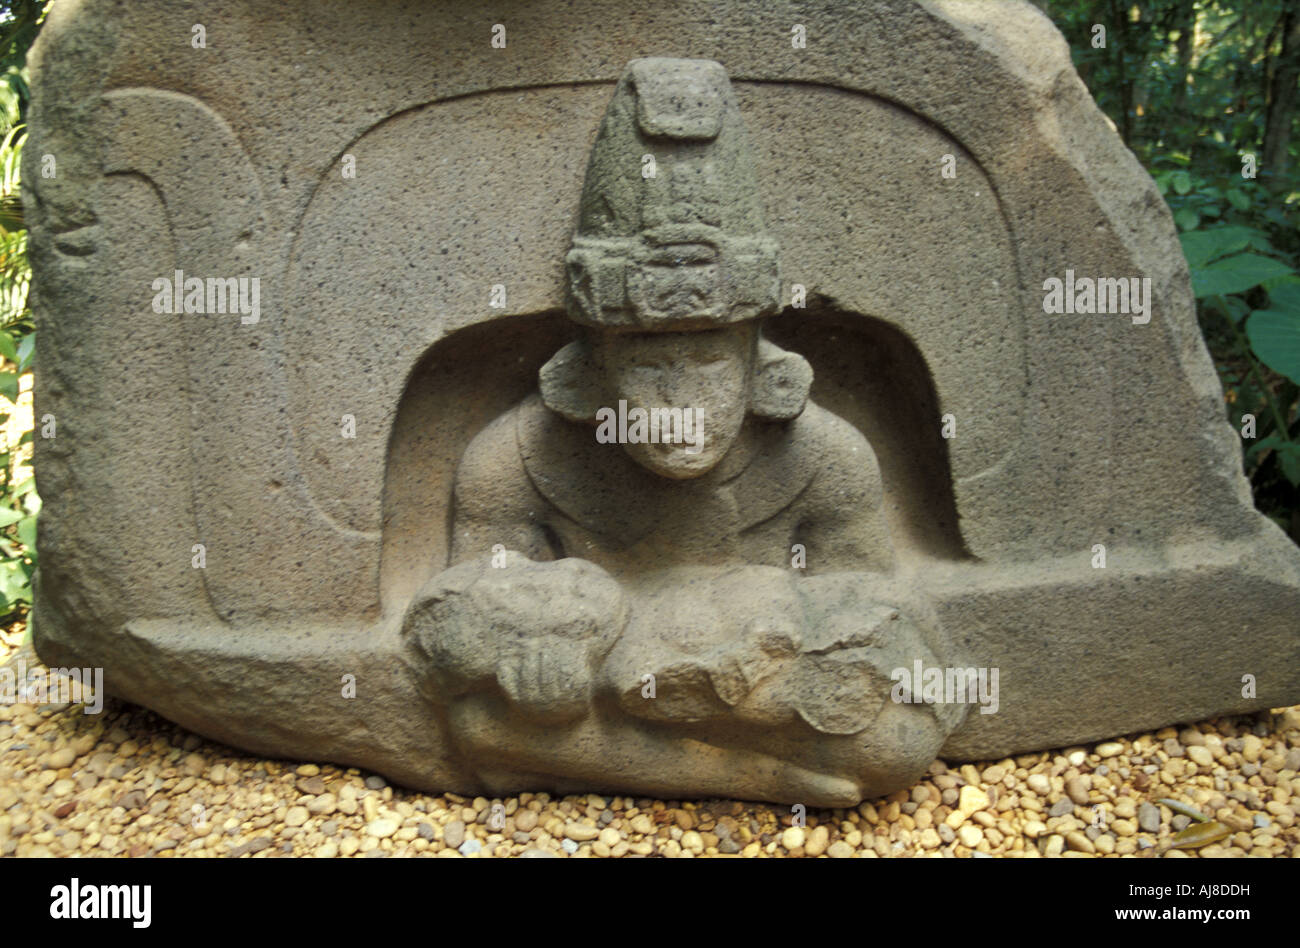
[
  {"x": 530, "y": 628},
  {"x": 494, "y": 500},
  {"x": 842, "y": 521}
]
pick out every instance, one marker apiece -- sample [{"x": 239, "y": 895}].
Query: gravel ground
[{"x": 129, "y": 783}]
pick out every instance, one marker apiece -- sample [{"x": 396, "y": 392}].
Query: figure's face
[{"x": 700, "y": 377}]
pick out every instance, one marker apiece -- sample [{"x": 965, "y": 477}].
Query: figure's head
[
  {"x": 669, "y": 274},
  {"x": 694, "y": 384},
  {"x": 723, "y": 375}
]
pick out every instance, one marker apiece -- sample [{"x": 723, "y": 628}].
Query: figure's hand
[
  {"x": 548, "y": 678},
  {"x": 535, "y": 630}
]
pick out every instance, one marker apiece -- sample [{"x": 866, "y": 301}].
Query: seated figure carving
[{"x": 710, "y": 602}]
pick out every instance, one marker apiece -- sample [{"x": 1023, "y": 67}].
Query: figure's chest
[{"x": 708, "y": 530}]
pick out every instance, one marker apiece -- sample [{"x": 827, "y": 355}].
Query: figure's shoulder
[
  {"x": 847, "y": 464},
  {"x": 492, "y": 444},
  {"x": 491, "y": 471},
  {"x": 838, "y": 439}
]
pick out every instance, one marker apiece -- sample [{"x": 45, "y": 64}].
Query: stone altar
[{"x": 355, "y": 405}]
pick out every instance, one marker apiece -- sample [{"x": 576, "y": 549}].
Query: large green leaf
[
  {"x": 13, "y": 582},
  {"x": 1237, "y": 307},
  {"x": 1181, "y": 181},
  {"x": 1275, "y": 337},
  {"x": 1202, "y": 246},
  {"x": 1285, "y": 296},
  {"x": 26, "y": 349},
  {"x": 1288, "y": 457},
  {"x": 8, "y": 516},
  {"x": 1236, "y": 274},
  {"x": 1264, "y": 444},
  {"x": 27, "y": 532}
]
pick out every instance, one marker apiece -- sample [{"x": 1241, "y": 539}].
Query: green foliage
[
  {"x": 1248, "y": 294},
  {"x": 1253, "y": 303},
  {"x": 1241, "y": 248},
  {"x": 20, "y": 21},
  {"x": 1236, "y": 274},
  {"x": 1274, "y": 336},
  {"x": 17, "y": 541},
  {"x": 19, "y": 502}
]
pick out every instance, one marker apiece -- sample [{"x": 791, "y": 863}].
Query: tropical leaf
[
  {"x": 1275, "y": 338},
  {"x": 1236, "y": 274},
  {"x": 1202, "y": 246}
]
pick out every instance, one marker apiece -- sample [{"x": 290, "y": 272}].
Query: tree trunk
[
  {"x": 1120, "y": 31},
  {"x": 1186, "y": 30},
  {"x": 1282, "y": 101}
]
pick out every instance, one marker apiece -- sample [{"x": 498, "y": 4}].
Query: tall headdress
[{"x": 670, "y": 234}]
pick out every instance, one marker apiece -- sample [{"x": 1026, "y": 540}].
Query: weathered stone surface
[{"x": 304, "y": 451}]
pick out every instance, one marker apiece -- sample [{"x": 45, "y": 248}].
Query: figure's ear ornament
[
  {"x": 571, "y": 383},
  {"x": 781, "y": 383}
]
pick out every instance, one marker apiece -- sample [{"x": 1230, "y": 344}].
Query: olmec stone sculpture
[
  {"x": 710, "y": 472},
  {"x": 671, "y": 631}
]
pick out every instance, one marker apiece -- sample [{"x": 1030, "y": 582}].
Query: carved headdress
[{"x": 670, "y": 233}]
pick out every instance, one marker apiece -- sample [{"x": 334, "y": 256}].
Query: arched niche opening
[
  {"x": 871, "y": 374},
  {"x": 458, "y": 386},
  {"x": 865, "y": 370}
]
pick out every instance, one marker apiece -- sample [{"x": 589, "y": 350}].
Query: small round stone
[
  {"x": 453, "y": 834},
  {"x": 296, "y": 816},
  {"x": 1076, "y": 788},
  {"x": 817, "y": 841},
  {"x": 1148, "y": 815},
  {"x": 382, "y": 828},
  {"x": 581, "y": 832},
  {"x": 59, "y": 758}
]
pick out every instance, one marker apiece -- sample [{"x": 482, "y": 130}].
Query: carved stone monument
[{"x": 754, "y": 462}]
